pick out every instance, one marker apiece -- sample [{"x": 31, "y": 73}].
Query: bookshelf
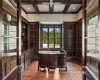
[
  {"x": 34, "y": 38},
  {"x": 24, "y": 36},
  {"x": 73, "y": 39},
  {"x": 79, "y": 40},
  {"x": 70, "y": 38}
]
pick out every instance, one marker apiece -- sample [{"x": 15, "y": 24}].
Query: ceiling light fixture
[
  {"x": 73, "y": 7},
  {"x": 28, "y": 8}
]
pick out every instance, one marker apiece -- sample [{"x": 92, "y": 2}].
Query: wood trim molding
[{"x": 52, "y": 13}]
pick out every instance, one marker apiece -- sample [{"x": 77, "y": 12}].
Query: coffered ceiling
[{"x": 51, "y": 6}]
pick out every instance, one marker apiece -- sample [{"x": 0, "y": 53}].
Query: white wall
[
  {"x": 52, "y": 17},
  {"x": 23, "y": 14},
  {"x": 79, "y": 15}
]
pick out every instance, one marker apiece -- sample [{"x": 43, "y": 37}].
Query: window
[
  {"x": 9, "y": 47},
  {"x": 45, "y": 37},
  {"x": 51, "y": 37},
  {"x": 92, "y": 33},
  {"x": 9, "y": 38}
]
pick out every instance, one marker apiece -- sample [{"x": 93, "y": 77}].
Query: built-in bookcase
[
  {"x": 79, "y": 40},
  {"x": 24, "y": 36},
  {"x": 72, "y": 38},
  {"x": 34, "y": 38}
]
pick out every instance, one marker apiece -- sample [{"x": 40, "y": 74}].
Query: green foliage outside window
[{"x": 93, "y": 34}]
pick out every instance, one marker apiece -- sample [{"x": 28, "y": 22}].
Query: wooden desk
[{"x": 52, "y": 59}]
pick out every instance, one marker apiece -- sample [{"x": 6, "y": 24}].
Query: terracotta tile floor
[{"x": 73, "y": 72}]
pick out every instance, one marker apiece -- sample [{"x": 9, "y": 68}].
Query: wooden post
[
  {"x": 84, "y": 34},
  {"x": 19, "y": 38}
]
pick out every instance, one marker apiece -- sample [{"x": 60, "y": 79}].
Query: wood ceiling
[{"x": 53, "y": 6}]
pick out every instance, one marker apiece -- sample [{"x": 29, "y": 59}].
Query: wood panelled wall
[
  {"x": 26, "y": 59},
  {"x": 72, "y": 39},
  {"x": 31, "y": 52}
]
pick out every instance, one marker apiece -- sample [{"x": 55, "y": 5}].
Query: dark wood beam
[
  {"x": 51, "y": 9},
  {"x": 52, "y": 13},
  {"x": 66, "y": 7},
  {"x": 84, "y": 28},
  {"x": 79, "y": 9},
  {"x": 76, "y": 1},
  {"x": 40, "y": 2},
  {"x": 84, "y": 34},
  {"x": 23, "y": 9},
  {"x": 35, "y": 7}
]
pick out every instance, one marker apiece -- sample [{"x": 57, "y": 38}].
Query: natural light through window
[
  {"x": 92, "y": 33},
  {"x": 51, "y": 37}
]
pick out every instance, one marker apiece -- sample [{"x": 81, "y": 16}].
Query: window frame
[
  {"x": 50, "y": 26},
  {"x": 91, "y": 15}
]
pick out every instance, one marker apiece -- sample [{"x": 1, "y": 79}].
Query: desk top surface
[{"x": 51, "y": 52}]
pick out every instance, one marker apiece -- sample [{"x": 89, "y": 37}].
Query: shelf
[
  {"x": 35, "y": 30},
  {"x": 31, "y": 30}
]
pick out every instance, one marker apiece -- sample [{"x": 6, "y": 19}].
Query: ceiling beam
[
  {"x": 76, "y": 1},
  {"x": 71, "y": 2},
  {"x": 51, "y": 8},
  {"x": 79, "y": 9},
  {"x": 40, "y": 2},
  {"x": 66, "y": 7},
  {"x": 36, "y": 7},
  {"x": 52, "y": 13},
  {"x": 23, "y": 9}
]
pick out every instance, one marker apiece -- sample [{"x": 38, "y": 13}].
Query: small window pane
[{"x": 45, "y": 37}]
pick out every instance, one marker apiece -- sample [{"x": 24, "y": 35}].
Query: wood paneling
[
  {"x": 26, "y": 59},
  {"x": 8, "y": 64},
  {"x": 12, "y": 75}
]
